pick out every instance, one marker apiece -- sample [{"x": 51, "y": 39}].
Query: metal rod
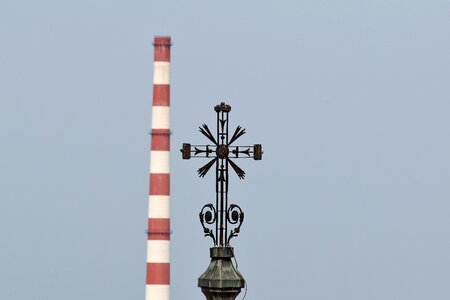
[{"x": 217, "y": 182}]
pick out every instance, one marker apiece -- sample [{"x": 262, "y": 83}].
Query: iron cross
[{"x": 221, "y": 152}]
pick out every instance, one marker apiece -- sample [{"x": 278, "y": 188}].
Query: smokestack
[{"x": 158, "y": 244}]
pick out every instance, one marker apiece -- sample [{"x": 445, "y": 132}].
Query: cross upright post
[{"x": 221, "y": 280}]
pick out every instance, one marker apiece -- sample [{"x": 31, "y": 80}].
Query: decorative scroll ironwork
[
  {"x": 221, "y": 152},
  {"x": 208, "y": 217},
  {"x": 235, "y": 215}
]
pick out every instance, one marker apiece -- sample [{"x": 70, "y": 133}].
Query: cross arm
[{"x": 188, "y": 151}]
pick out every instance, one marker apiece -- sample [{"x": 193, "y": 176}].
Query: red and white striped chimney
[{"x": 158, "y": 258}]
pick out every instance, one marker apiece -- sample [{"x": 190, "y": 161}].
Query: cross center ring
[{"x": 222, "y": 151}]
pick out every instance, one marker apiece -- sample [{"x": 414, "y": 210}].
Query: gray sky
[{"x": 350, "y": 100}]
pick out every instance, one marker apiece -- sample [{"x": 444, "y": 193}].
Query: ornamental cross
[{"x": 221, "y": 151}]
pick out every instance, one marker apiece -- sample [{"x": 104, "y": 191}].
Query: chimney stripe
[
  {"x": 160, "y": 184},
  {"x": 158, "y": 273},
  {"x": 158, "y": 251},
  {"x": 161, "y": 94},
  {"x": 160, "y": 139},
  {"x": 161, "y": 72},
  {"x": 158, "y": 229},
  {"x": 159, "y": 162},
  {"x": 160, "y": 117},
  {"x": 158, "y": 291},
  {"x": 159, "y": 207}
]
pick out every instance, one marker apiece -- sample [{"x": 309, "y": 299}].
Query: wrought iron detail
[
  {"x": 221, "y": 152},
  {"x": 209, "y": 217},
  {"x": 235, "y": 215}
]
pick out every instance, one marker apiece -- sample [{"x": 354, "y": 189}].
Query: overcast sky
[{"x": 350, "y": 99}]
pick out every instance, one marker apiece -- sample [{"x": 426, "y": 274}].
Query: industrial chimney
[{"x": 158, "y": 244}]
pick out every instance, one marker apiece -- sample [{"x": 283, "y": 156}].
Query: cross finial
[{"x": 221, "y": 151}]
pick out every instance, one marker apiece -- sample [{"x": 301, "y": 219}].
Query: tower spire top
[{"x": 221, "y": 280}]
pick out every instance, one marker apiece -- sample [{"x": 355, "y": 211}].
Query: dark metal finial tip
[
  {"x": 222, "y": 107},
  {"x": 257, "y": 152},
  {"x": 186, "y": 151}
]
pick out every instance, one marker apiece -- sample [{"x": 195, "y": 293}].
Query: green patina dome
[{"x": 221, "y": 280}]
